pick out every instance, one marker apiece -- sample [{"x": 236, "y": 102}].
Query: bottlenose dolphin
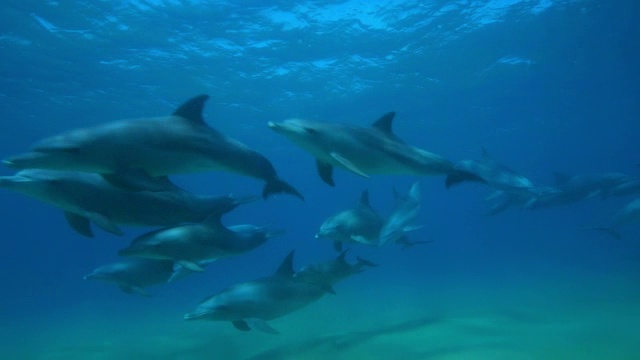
[
  {"x": 497, "y": 176},
  {"x": 366, "y": 151},
  {"x": 330, "y": 272},
  {"x": 405, "y": 213},
  {"x": 88, "y": 198},
  {"x": 248, "y": 305},
  {"x": 190, "y": 244},
  {"x": 135, "y": 275},
  {"x": 176, "y": 144},
  {"x": 586, "y": 186},
  {"x": 627, "y": 215},
  {"x": 359, "y": 225}
]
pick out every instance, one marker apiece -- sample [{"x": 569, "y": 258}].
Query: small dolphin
[
  {"x": 249, "y": 305},
  {"x": 366, "y": 151},
  {"x": 497, "y": 176},
  {"x": 88, "y": 198},
  {"x": 627, "y": 215},
  {"x": 405, "y": 212},
  {"x": 190, "y": 244},
  {"x": 176, "y": 144},
  {"x": 586, "y": 186},
  {"x": 135, "y": 275},
  {"x": 330, "y": 272},
  {"x": 359, "y": 225}
]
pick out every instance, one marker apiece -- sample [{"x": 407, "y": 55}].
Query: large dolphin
[
  {"x": 497, "y": 175},
  {"x": 358, "y": 225},
  {"x": 191, "y": 244},
  {"x": 249, "y": 305},
  {"x": 401, "y": 218},
  {"x": 366, "y": 151},
  {"x": 330, "y": 272},
  {"x": 135, "y": 275},
  {"x": 87, "y": 198},
  {"x": 176, "y": 144},
  {"x": 627, "y": 215}
]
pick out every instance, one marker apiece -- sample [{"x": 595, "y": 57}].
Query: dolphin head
[
  {"x": 39, "y": 184},
  {"x": 309, "y": 135}
]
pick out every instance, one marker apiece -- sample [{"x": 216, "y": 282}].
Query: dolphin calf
[
  {"x": 627, "y": 215},
  {"x": 88, "y": 198},
  {"x": 366, "y": 151},
  {"x": 359, "y": 225},
  {"x": 330, "y": 272},
  {"x": 405, "y": 212},
  {"x": 190, "y": 244},
  {"x": 135, "y": 275},
  {"x": 249, "y": 305},
  {"x": 497, "y": 175},
  {"x": 176, "y": 144}
]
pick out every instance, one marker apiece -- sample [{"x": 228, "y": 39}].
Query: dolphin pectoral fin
[
  {"x": 348, "y": 164},
  {"x": 190, "y": 265},
  {"x": 140, "y": 291},
  {"x": 241, "y": 325},
  {"x": 412, "y": 228},
  {"x": 260, "y": 324},
  {"x": 104, "y": 223},
  {"x": 325, "y": 170},
  {"x": 79, "y": 223}
]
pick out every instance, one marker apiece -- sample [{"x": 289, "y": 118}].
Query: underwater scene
[{"x": 342, "y": 179}]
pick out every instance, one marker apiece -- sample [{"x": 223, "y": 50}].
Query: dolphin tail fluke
[
  {"x": 608, "y": 230},
  {"x": 459, "y": 176},
  {"x": 276, "y": 186}
]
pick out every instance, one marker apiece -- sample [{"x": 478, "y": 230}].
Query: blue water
[{"x": 544, "y": 85}]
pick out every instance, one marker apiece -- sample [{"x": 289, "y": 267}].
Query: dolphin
[
  {"x": 176, "y": 144},
  {"x": 359, "y": 225},
  {"x": 627, "y": 215},
  {"x": 135, "y": 275},
  {"x": 249, "y": 305},
  {"x": 586, "y": 186},
  {"x": 366, "y": 151},
  {"x": 405, "y": 212},
  {"x": 190, "y": 244},
  {"x": 88, "y": 198},
  {"x": 497, "y": 175},
  {"x": 330, "y": 272}
]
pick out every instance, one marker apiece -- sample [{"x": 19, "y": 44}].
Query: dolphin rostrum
[
  {"x": 366, "y": 151},
  {"x": 177, "y": 144},
  {"x": 87, "y": 198}
]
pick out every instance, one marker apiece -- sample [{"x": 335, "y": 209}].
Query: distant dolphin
[
  {"x": 176, "y": 144},
  {"x": 497, "y": 176},
  {"x": 586, "y": 186},
  {"x": 404, "y": 214},
  {"x": 190, "y": 244},
  {"x": 358, "y": 225},
  {"x": 249, "y": 305},
  {"x": 366, "y": 151},
  {"x": 87, "y": 198},
  {"x": 330, "y": 272},
  {"x": 134, "y": 276},
  {"x": 627, "y": 215}
]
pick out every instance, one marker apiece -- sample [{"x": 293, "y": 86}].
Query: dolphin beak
[{"x": 8, "y": 163}]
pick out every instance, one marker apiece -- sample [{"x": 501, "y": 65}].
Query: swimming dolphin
[
  {"x": 135, "y": 275},
  {"x": 405, "y": 212},
  {"x": 88, "y": 198},
  {"x": 190, "y": 244},
  {"x": 359, "y": 225},
  {"x": 176, "y": 144},
  {"x": 497, "y": 176},
  {"x": 330, "y": 272},
  {"x": 627, "y": 215},
  {"x": 249, "y": 305},
  {"x": 586, "y": 186},
  {"x": 366, "y": 151}
]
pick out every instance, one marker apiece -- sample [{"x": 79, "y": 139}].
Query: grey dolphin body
[
  {"x": 402, "y": 216},
  {"x": 366, "y": 151},
  {"x": 87, "y": 198},
  {"x": 330, "y": 272},
  {"x": 176, "y": 144},
  {"x": 627, "y": 215},
  {"x": 135, "y": 275},
  {"x": 248, "y": 305},
  {"x": 497, "y": 175},
  {"x": 358, "y": 225},
  {"x": 192, "y": 244},
  {"x": 580, "y": 187}
]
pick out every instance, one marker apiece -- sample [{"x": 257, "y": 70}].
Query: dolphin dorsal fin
[
  {"x": 384, "y": 123},
  {"x": 192, "y": 109},
  {"x": 364, "y": 198},
  {"x": 286, "y": 267}
]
